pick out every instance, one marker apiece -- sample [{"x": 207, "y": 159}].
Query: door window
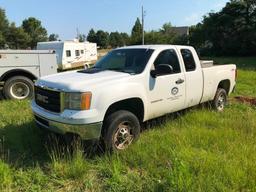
[
  {"x": 188, "y": 59},
  {"x": 168, "y": 57}
]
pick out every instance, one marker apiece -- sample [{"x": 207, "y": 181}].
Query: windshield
[{"x": 125, "y": 60}]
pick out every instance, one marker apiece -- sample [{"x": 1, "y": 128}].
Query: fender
[
  {"x": 15, "y": 72},
  {"x": 106, "y": 97}
]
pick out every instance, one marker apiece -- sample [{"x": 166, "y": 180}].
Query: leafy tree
[
  {"x": 115, "y": 39},
  {"x": 167, "y": 28},
  {"x": 53, "y": 37},
  {"x": 35, "y": 30},
  {"x": 154, "y": 37},
  {"x": 102, "y": 38},
  {"x": 168, "y": 35},
  {"x": 181, "y": 40},
  {"x": 91, "y": 37},
  {"x": 2, "y": 40},
  {"x": 230, "y": 31},
  {"x": 17, "y": 38},
  {"x": 4, "y": 24},
  {"x": 136, "y": 37},
  {"x": 125, "y": 39},
  {"x": 81, "y": 38},
  {"x": 165, "y": 35}
]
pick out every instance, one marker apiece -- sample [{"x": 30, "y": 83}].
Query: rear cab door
[
  {"x": 193, "y": 75},
  {"x": 167, "y": 93}
]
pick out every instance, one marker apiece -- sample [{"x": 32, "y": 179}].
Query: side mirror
[{"x": 162, "y": 69}]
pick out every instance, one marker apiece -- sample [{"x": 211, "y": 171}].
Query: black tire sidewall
[
  {"x": 111, "y": 125},
  {"x": 218, "y": 93},
  {"x": 9, "y": 82}
]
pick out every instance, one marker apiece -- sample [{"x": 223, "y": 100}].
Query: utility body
[{"x": 20, "y": 68}]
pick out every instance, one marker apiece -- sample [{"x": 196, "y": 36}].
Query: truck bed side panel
[{"x": 213, "y": 76}]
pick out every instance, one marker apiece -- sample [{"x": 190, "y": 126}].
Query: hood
[{"x": 76, "y": 81}]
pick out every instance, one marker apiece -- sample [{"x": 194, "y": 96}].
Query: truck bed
[{"x": 213, "y": 75}]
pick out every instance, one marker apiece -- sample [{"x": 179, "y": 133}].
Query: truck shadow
[
  {"x": 25, "y": 145},
  {"x": 22, "y": 145}
]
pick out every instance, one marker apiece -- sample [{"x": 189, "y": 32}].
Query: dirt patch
[{"x": 248, "y": 100}]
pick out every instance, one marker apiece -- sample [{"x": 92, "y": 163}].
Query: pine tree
[{"x": 136, "y": 37}]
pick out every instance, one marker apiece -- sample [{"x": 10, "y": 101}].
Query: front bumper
[{"x": 85, "y": 131}]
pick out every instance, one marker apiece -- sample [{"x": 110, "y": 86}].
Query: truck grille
[{"x": 48, "y": 99}]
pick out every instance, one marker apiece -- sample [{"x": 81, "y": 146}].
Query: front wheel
[
  {"x": 121, "y": 128},
  {"x": 18, "y": 87},
  {"x": 220, "y": 100}
]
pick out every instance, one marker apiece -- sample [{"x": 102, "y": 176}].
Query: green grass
[
  {"x": 245, "y": 63},
  {"x": 199, "y": 150}
]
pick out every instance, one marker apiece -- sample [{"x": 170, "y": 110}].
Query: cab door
[
  {"x": 167, "y": 91},
  {"x": 194, "y": 77}
]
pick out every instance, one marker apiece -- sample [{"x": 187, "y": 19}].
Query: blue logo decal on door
[{"x": 175, "y": 91}]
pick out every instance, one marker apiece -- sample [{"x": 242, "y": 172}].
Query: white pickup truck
[{"x": 128, "y": 86}]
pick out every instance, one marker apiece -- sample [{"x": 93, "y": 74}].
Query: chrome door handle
[{"x": 179, "y": 81}]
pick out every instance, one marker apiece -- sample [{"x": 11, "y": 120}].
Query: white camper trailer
[{"x": 71, "y": 54}]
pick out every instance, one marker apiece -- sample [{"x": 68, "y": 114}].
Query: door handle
[{"x": 179, "y": 81}]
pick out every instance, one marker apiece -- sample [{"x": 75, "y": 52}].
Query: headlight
[{"x": 78, "y": 101}]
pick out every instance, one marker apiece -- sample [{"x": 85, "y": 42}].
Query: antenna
[
  {"x": 77, "y": 33},
  {"x": 143, "y": 15}
]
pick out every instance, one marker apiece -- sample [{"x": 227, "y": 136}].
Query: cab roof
[{"x": 153, "y": 46}]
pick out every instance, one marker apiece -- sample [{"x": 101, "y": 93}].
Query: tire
[
  {"x": 220, "y": 100},
  {"x": 121, "y": 128},
  {"x": 18, "y": 87}
]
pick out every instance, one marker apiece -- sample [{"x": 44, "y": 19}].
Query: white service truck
[
  {"x": 71, "y": 54},
  {"x": 20, "y": 68},
  {"x": 128, "y": 86}
]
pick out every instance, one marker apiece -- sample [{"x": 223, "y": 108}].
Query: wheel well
[
  {"x": 225, "y": 84},
  {"x": 134, "y": 105},
  {"x": 17, "y": 72}
]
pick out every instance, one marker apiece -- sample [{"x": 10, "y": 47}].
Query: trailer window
[
  {"x": 68, "y": 53},
  {"x": 188, "y": 59},
  {"x": 82, "y": 52},
  {"x": 77, "y": 53},
  {"x": 168, "y": 57}
]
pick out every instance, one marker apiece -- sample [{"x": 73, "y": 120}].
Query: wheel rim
[
  {"x": 19, "y": 90},
  {"x": 221, "y": 102},
  {"x": 123, "y": 136}
]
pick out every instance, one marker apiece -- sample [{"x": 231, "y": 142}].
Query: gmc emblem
[{"x": 42, "y": 98}]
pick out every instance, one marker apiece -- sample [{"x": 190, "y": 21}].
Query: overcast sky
[{"x": 63, "y": 17}]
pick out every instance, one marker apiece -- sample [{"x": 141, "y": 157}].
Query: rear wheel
[
  {"x": 120, "y": 130},
  {"x": 18, "y": 87},
  {"x": 220, "y": 100}
]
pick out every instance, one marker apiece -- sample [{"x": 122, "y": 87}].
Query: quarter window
[
  {"x": 168, "y": 57},
  {"x": 188, "y": 59},
  {"x": 77, "y": 53},
  {"x": 68, "y": 53}
]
